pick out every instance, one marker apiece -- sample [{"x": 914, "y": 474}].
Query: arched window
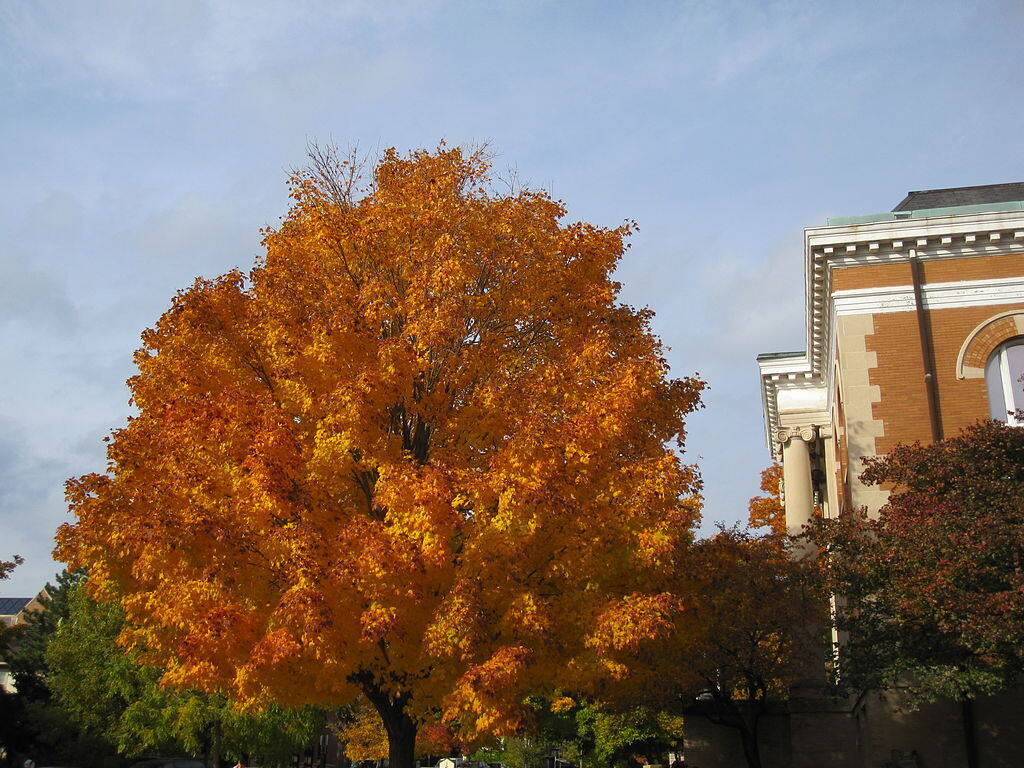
[{"x": 1003, "y": 378}]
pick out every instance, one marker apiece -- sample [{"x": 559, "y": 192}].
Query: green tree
[
  {"x": 107, "y": 691},
  {"x": 589, "y": 734},
  {"x": 28, "y": 662},
  {"x": 6, "y": 566},
  {"x": 616, "y": 738},
  {"x": 31, "y": 723}
]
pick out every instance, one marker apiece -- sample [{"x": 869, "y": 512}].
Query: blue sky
[{"x": 146, "y": 143}]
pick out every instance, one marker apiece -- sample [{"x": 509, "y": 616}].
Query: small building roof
[
  {"x": 957, "y": 196},
  {"x": 12, "y": 606}
]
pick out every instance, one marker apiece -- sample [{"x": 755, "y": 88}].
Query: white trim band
[{"x": 964, "y": 293}]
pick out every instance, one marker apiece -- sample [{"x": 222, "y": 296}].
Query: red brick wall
[
  {"x": 941, "y": 271},
  {"x": 903, "y": 407}
]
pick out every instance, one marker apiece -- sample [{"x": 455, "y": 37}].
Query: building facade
[{"x": 915, "y": 329}]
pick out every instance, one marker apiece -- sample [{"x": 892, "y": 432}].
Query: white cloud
[{"x": 162, "y": 51}]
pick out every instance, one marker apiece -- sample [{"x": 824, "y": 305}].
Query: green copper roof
[
  {"x": 779, "y": 355},
  {"x": 925, "y": 213}
]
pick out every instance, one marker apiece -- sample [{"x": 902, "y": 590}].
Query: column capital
[{"x": 808, "y": 433}]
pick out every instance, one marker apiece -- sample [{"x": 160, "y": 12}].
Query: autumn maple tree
[
  {"x": 768, "y": 511},
  {"x": 421, "y": 453}
]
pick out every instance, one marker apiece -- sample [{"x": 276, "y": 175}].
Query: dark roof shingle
[
  {"x": 954, "y": 196},
  {"x": 10, "y": 606}
]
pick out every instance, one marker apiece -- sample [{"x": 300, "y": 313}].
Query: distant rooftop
[
  {"x": 956, "y": 196},
  {"x": 11, "y": 606},
  {"x": 945, "y": 202}
]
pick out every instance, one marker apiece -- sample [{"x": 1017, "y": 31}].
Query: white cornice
[
  {"x": 941, "y": 237},
  {"x": 900, "y": 298}
]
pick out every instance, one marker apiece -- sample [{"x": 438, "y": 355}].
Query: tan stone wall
[
  {"x": 862, "y": 428},
  {"x": 887, "y": 724},
  {"x": 1000, "y": 729},
  {"x": 839, "y": 445},
  {"x": 710, "y": 745}
]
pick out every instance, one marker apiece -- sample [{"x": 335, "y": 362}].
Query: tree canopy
[
  {"x": 749, "y": 622},
  {"x": 6, "y": 566},
  {"x": 420, "y": 452},
  {"x": 933, "y": 588},
  {"x": 768, "y": 511}
]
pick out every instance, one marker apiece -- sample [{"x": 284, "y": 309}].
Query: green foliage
[
  {"x": 614, "y": 738},
  {"x": 589, "y": 735},
  {"x": 27, "y": 659},
  {"x": 108, "y": 692},
  {"x": 526, "y": 751},
  {"x": 30, "y": 721},
  {"x": 934, "y": 588}
]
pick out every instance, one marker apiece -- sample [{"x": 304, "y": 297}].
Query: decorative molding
[
  {"x": 964, "y": 293},
  {"x": 784, "y": 434},
  {"x": 978, "y": 372},
  {"x": 806, "y": 432},
  {"x": 830, "y": 247},
  {"x": 776, "y": 374}
]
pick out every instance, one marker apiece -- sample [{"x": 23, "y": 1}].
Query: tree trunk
[
  {"x": 402, "y": 744},
  {"x": 748, "y": 736},
  {"x": 215, "y": 738},
  {"x": 970, "y": 744},
  {"x": 401, "y": 728},
  {"x": 737, "y": 719}
]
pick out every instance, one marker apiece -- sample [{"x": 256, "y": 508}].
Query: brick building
[{"x": 915, "y": 329}]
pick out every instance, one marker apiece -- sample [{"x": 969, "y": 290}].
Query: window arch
[
  {"x": 1003, "y": 373},
  {"x": 977, "y": 347}
]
